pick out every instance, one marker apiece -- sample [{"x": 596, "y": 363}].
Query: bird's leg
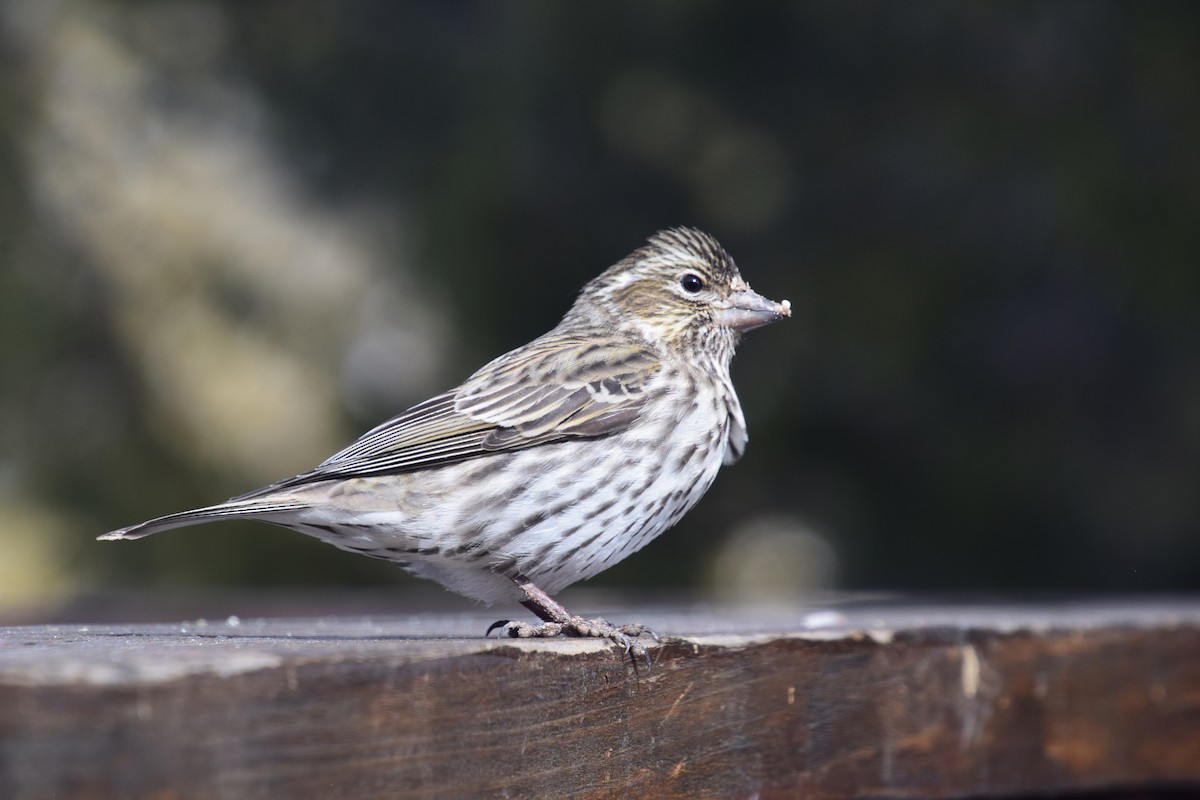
[
  {"x": 556, "y": 620},
  {"x": 543, "y": 605}
]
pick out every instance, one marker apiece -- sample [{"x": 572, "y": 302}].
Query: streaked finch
[{"x": 556, "y": 460}]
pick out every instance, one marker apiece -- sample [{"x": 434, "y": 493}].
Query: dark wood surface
[{"x": 844, "y": 700}]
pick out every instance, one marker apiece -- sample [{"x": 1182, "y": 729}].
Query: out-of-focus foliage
[{"x": 237, "y": 234}]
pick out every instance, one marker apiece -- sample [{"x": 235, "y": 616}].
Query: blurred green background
[{"x": 236, "y": 235}]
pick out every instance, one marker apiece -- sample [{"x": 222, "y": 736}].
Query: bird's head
[{"x": 683, "y": 291}]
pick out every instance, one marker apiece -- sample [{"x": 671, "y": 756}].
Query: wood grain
[{"x": 876, "y": 701}]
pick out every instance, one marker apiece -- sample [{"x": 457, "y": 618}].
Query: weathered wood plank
[{"x": 887, "y": 701}]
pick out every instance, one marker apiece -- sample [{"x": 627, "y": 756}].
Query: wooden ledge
[{"x": 894, "y": 700}]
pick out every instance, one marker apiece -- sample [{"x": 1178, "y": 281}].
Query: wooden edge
[{"x": 933, "y": 710}]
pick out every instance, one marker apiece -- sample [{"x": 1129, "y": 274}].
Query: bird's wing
[
  {"x": 558, "y": 387},
  {"x": 552, "y": 389}
]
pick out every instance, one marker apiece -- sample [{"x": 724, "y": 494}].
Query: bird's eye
[{"x": 691, "y": 283}]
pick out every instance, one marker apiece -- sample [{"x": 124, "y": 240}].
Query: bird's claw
[
  {"x": 580, "y": 627},
  {"x": 500, "y": 623}
]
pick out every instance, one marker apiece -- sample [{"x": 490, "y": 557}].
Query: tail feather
[{"x": 230, "y": 510}]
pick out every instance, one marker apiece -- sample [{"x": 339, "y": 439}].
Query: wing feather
[{"x": 552, "y": 389}]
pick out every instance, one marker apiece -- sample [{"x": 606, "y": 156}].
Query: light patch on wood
[
  {"x": 141, "y": 669},
  {"x": 675, "y": 705},
  {"x": 970, "y": 671}
]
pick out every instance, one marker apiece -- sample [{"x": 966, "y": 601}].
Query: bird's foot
[
  {"x": 557, "y": 621},
  {"x": 581, "y": 627}
]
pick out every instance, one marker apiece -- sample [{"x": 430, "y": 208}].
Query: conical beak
[{"x": 749, "y": 310}]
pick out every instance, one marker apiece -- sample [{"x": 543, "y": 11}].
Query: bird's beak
[{"x": 749, "y": 310}]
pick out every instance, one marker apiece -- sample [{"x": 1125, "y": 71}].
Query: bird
[{"x": 554, "y": 461}]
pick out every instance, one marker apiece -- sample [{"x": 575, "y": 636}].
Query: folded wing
[{"x": 553, "y": 389}]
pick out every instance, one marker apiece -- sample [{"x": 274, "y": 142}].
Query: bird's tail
[{"x": 234, "y": 509}]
